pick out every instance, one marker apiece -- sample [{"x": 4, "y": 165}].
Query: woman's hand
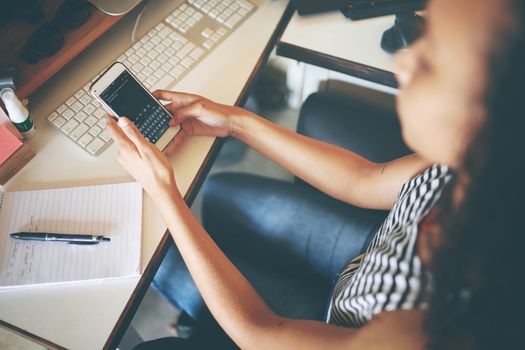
[
  {"x": 142, "y": 159},
  {"x": 198, "y": 116}
]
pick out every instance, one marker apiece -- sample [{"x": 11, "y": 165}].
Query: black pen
[{"x": 59, "y": 237}]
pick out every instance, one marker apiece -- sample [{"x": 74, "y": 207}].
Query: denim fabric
[{"x": 288, "y": 240}]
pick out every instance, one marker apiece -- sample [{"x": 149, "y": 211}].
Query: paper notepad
[{"x": 114, "y": 211}]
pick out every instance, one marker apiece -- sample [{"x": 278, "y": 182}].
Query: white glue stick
[{"x": 18, "y": 113}]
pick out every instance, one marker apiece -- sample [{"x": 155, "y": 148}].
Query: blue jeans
[{"x": 288, "y": 240}]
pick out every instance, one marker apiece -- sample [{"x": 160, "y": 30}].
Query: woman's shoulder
[{"x": 437, "y": 174}]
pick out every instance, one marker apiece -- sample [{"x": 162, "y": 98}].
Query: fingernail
[{"x": 123, "y": 121}]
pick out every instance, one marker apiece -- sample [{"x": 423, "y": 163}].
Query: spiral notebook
[{"x": 114, "y": 211}]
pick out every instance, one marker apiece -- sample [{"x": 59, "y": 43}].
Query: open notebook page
[{"x": 114, "y": 211}]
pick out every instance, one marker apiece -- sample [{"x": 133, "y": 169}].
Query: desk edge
[{"x": 337, "y": 64}]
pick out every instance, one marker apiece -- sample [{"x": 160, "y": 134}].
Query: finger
[
  {"x": 192, "y": 111},
  {"x": 177, "y": 140},
  {"x": 131, "y": 131},
  {"x": 121, "y": 140},
  {"x": 178, "y": 98}
]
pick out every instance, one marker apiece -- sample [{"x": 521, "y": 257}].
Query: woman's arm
[
  {"x": 337, "y": 172},
  {"x": 231, "y": 299}
]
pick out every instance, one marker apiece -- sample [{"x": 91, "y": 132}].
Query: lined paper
[{"x": 114, "y": 211}]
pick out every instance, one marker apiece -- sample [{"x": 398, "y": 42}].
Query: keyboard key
[
  {"x": 162, "y": 58},
  {"x": 183, "y": 16},
  {"x": 95, "y": 130},
  {"x": 153, "y": 54},
  {"x": 68, "y": 114},
  {"x": 191, "y": 22},
  {"x": 148, "y": 46},
  {"x": 222, "y": 18},
  {"x": 52, "y": 116},
  {"x": 214, "y": 13},
  {"x": 207, "y": 32},
  {"x": 156, "y": 40},
  {"x": 154, "y": 65},
  {"x": 233, "y": 20},
  {"x": 79, "y": 94},
  {"x": 178, "y": 71},
  {"x": 177, "y": 46},
  {"x": 86, "y": 99},
  {"x": 95, "y": 145},
  {"x": 71, "y": 100},
  {"x": 173, "y": 60},
  {"x": 221, "y": 31},
  {"x": 184, "y": 28},
  {"x": 197, "y": 53},
  {"x": 159, "y": 73},
  {"x": 243, "y": 11},
  {"x": 247, "y": 5},
  {"x": 177, "y": 37},
  {"x": 102, "y": 123},
  {"x": 90, "y": 120},
  {"x": 85, "y": 139},
  {"x": 197, "y": 16},
  {"x": 215, "y": 37},
  {"x": 89, "y": 109},
  {"x": 61, "y": 109},
  {"x": 208, "y": 43},
  {"x": 187, "y": 62},
  {"x": 77, "y": 106},
  {"x": 105, "y": 135},
  {"x": 167, "y": 67},
  {"x": 100, "y": 113},
  {"x": 169, "y": 52},
  {"x": 80, "y": 116},
  {"x": 185, "y": 50},
  {"x": 79, "y": 131},
  {"x": 151, "y": 80},
  {"x": 59, "y": 121},
  {"x": 69, "y": 126}
]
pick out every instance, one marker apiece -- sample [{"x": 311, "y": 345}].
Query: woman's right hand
[{"x": 198, "y": 116}]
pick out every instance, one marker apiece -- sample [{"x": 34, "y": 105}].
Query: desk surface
[
  {"x": 54, "y": 312},
  {"x": 334, "y": 42}
]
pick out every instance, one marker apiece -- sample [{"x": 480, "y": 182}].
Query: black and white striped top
[{"x": 388, "y": 275}]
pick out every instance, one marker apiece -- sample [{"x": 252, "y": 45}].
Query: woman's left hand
[{"x": 145, "y": 162}]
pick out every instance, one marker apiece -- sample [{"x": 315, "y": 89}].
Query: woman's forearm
[
  {"x": 229, "y": 296},
  {"x": 333, "y": 170}
]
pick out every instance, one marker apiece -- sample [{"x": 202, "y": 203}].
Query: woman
[{"x": 447, "y": 106}]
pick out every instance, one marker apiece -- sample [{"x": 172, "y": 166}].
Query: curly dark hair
[{"x": 477, "y": 300}]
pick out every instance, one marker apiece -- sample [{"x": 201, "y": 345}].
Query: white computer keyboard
[{"x": 160, "y": 58}]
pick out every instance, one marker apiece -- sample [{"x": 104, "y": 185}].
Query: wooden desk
[
  {"x": 334, "y": 42},
  {"x": 96, "y": 315}
]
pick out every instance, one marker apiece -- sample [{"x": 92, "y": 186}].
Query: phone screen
[{"x": 128, "y": 98}]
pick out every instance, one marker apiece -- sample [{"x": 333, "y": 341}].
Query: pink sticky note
[
  {"x": 9, "y": 143},
  {"x": 4, "y": 120}
]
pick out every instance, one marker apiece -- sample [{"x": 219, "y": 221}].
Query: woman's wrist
[{"x": 239, "y": 123}]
